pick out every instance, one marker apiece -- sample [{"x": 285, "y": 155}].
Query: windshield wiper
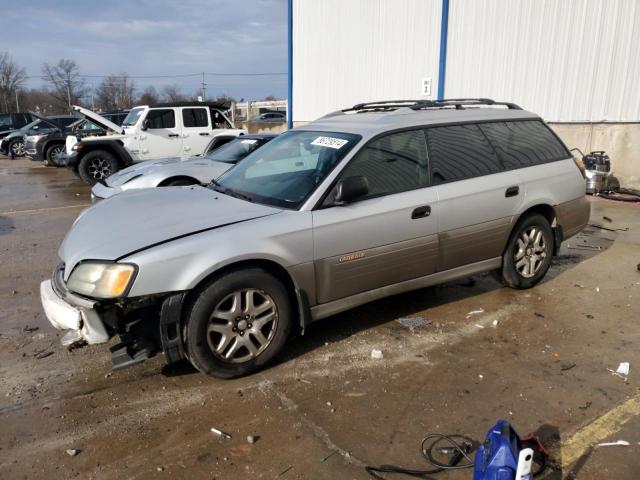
[{"x": 227, "y": 191}]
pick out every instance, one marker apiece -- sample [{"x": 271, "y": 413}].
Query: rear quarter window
[
  {"x": 458, "y": 152},
  {"x": 524, "y": 143}
]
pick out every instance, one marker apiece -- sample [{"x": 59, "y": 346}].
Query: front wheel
[
  {"x": 17, "y": 148},
  {"x": 528, "y": 255},
  {"x": 97, "y": 166},
  {"x": 238, "y": 323},
  {"x": 53, "y": 154}
]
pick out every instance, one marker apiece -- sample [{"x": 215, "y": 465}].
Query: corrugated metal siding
[
  {"x": 569, "y": 61},
  {"x": 351, "y": 51}
]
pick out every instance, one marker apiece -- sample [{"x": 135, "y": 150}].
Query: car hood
[
  {"x": 168, "y": 167},
  {"x": 139, "y": 219},
  {"x": 99, "y": 120}
]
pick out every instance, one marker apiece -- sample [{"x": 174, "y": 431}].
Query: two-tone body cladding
[{"x": 372, "y": 201}]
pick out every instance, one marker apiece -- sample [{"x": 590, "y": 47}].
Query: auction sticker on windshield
[{"x": 329, "y": 142}]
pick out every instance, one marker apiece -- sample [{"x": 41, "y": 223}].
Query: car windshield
[
  {"x": 235, "y": 150},
  {"x": 132, "y": 117},
  {"x": 285, "y": 171}
]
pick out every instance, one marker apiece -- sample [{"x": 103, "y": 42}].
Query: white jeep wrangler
[{"x": 149, "y": 132}]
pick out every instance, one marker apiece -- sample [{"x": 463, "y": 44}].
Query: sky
[{"x": 155, "y": 37}]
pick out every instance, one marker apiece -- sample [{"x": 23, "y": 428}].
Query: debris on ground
[
  {"x": 477, "y": 325},
  {"x": 412, "y": 322},
  {"x": 495, "y": 323},
  {"x": 468, "y": 283},
  {"x": 584, "y": 247},
  {"x": 539, "y": 315},
  {"x": 564, "y": 368},
  {"x": 585, "y": 406},
  {"x": 377, "y": 354},
  {"x": 607, "y": 219},
  {"x": 28, "y": 329},
  {"x": 220, "y": 433},
  {"x": 623, "y": 368},
  {"x": 72, "y": 452},
  {"x": 43, "y": 354},
  {"x": 588, "y": 315},
  {"x": 622, "y": 443},
  {"x": 475, "y": 312},
  {"x": 252, "y": 439}
]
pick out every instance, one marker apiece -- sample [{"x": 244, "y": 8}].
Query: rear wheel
[
  {"x": 16, "y": 147},
  {"x": 238, "y": 323},
  {"x": 97, "y": 166},
  {"x": 529, "y": 252},
  {"x": 53, "y": 154}
]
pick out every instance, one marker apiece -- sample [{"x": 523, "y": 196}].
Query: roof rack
[{"x": 458, "y": 103}]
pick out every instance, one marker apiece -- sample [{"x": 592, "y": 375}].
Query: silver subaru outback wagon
[{"x": 364, "y": 203}]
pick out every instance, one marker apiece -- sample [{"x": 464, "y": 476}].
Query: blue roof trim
[{"x": 444, "y": 27}]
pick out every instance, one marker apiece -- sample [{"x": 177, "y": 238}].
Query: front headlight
[{"x": 101, "y": 280}]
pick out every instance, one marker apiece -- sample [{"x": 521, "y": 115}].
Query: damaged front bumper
[{"x": 67, "y": 311}]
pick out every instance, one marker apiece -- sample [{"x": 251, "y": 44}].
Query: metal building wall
[
  {"x": 568, "y": 60},
  {"x": 351, "y": 51}
]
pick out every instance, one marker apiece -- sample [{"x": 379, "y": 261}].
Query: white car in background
[
  {"x": 170, "y": 172},
  {"x": 149, "y": 132}
]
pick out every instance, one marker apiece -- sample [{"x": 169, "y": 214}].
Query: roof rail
[{"x": 458, "y": 103}]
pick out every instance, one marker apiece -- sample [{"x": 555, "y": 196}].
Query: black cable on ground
[
  {"x": 622, "y": 195},
  {"x": 459, "y": 451}
]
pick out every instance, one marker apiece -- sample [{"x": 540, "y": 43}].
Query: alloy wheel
[
  {"x": 242, "y": 325},
  {"x": 55, "y": 153},
  {"x": 99, "y": 168},
  {"x": 531, "y": 251},
  {"x": 17, "y": 149}
]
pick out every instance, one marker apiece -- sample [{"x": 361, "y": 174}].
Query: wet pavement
[{"x": 326, "y": 408}]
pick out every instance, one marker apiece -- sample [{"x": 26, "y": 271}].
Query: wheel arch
[
  {"x": 548, "y": 212},
  {"x": 297, "y": 296}
]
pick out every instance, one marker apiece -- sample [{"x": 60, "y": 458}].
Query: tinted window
[
  {"x": 5, "y": 122},
  {"x": 21, "y": 120},
  {"x": 161, "y": 119},
  {"x": 235, "y": 150},
  {"x": 525, "y": 143},
  {"x": 195, "y": 117},
  {"x": 392, "y": 164},
  {"x": 458, "y": 152}
]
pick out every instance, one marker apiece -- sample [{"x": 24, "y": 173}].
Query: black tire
[
  {"x": 16, "y": 147},
  {"x": 200, "y": 342},
  {"x": 180, "y": 182},
  {"x": 51, "y": 156},
  {"x": 516, "y": 274},
  {"x": 97, "y": 166}
]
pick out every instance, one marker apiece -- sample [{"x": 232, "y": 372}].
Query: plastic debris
[
  {"x": 623, "y": 369},
  {"x": 252, "y": 439},
  {"x": 475, "y": 312},
  {"x": 377, "y": 354},
  {"x": 477, "y": 325},
  {"x": 622, "y": 443},
  {"x": 495, "y": 323},
  {"x": 220, "y": 432},
  {"x": 72, "y": 452}
]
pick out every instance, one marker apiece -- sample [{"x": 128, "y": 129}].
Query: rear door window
[
  {"x": 195, "y": 117},
  {"x": 392, "y": 164},
  {"x": 457, "y": 152},
  {"x": 524, "y": 143},
  {"x": 161, "y": 118}
]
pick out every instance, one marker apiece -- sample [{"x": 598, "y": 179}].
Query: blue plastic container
[{"x": 497, "y": 457}]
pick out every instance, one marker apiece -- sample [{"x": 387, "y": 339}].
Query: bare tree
[
  {"x": 149, "y": 96},
  {"x": 116, "y": 92},
  {"x": 171, "y": 93},
  {"x": 12, "y": 77},
  {"x": 224, "y": 100},
  {"x": 41, "y": 101},
  {"x": 67, "y": 86}
]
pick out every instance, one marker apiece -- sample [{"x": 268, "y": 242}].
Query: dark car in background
[
  {"x": 10, "y": 122},
  {"x": 48, "y": 146},
  {"x": 15, "y": 140}
]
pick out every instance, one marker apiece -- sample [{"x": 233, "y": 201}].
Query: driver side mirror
[
  {"x": 351, "y": 189},
  {"x": 145, "y": 124}
]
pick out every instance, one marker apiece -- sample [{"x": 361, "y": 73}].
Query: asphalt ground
[{"x": 538, "y": 358}]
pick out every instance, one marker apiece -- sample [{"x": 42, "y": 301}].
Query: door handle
[
  {"x": 204, "y": 134},
  {"x": 421, "y": 212},
  {"x": 173, "y": 135},
  {"x": 512, "y": 191}
]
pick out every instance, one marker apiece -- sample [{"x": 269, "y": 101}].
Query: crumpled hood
[
  {"x": 170, "y": 167},
  {"x": 137, "y": 219},
  {"x": 124, "y": 175}
]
